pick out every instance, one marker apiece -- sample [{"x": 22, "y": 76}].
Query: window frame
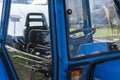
[
  {"x": 52, "y": 40},
  {"x": 88, "y": 25}
]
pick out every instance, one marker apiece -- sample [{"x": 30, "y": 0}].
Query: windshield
[{"x": 103, "y": 35}]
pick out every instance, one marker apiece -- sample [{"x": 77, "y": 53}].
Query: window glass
[
  {"x": 105, "y": 20},
  {"x": 102, "y": 36},
  {"x": 74, "y": 14},
  {"x": 28, "y": 41}
]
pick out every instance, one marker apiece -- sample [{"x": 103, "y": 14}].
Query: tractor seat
[
  {"x": 36, "y": 32},
  {"x": 31, "y": 24}
]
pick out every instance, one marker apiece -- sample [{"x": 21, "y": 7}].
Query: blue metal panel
[
  {"x": 3, "y": 72},
  {"x": 93, "y": 48},
  {"x": 109, "y": 70},
  {"x": 5, "y": 17},
  {"x": 62, "y": 41},
  {"x": 87, "y": 23},
  {"x": 3, "y": 30},
  {"x": 61, "y": 38},
  {"x": 53, "y": 39}
]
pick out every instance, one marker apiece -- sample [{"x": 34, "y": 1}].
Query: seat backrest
[
  {"x": 93, "y": 48},
  {"x": 36, "y": 17},
  {"x": 37, "y": 36},
  {"x": 34, "y": 21}
]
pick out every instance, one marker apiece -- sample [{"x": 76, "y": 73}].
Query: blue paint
[
  {"x": 59, "y": 46},
  {"x": 93, "y": 48},
  {"x": 62, "y": 52},
  {"x": 3, "y": 73},
  {"x": 3, "y": 31},
  {"x": 53, "y": 39},
  {"x": 108, "y": 70},
  {"x": 61, "y": 39}
]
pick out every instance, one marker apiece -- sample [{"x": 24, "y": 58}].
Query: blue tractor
[{"x": 76, "y": 40}]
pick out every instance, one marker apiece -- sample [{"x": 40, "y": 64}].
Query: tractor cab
[
  {"x": 60, "y": 40},
  {"x": 90, "y": 29}
]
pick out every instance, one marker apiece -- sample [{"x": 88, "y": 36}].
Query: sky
[{"x": 20, "y": 11}]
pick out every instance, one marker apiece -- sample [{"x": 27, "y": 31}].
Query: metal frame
[
  {"x": 4, "y": 23},
  {"x": 54, "y": 47},
  {"x": 62, "y": 39},
  {"x": 5, "y": 17},
  {"x": 61, "y": 61}
]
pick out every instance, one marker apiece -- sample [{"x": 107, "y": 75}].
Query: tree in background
[{"x": 115, "y": 22}]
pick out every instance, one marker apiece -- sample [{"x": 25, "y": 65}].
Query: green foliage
[{"x": 103, "y": 32}]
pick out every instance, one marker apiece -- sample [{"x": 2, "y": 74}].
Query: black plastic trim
[{"x": 94, "y": 55}]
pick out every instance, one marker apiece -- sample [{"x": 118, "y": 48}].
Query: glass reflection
[{"x": 28, "y": 40}]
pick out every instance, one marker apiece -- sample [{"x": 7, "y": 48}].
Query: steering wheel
[
  {"x": 76, "y": 42},
  {"x": 90, "y": 31}
]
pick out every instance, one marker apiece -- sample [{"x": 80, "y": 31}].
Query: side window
[
  {"x": 28, "y": 41},
  {"x": 103, "y": 35},
  {"x": 106, "y": 21},
  {"x": 74, "y": 9}
]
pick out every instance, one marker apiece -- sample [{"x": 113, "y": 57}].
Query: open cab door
[
  {"x": 27, "y": 39},
  {"x": 7, "y": 71},
  {"x": 88, "y": 40}
]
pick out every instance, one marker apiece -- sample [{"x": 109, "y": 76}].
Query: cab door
[
  {"x": 29, "y": 29},
  {"x": 7, "y": 71},
  {"x": 88, "y": 40}
]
